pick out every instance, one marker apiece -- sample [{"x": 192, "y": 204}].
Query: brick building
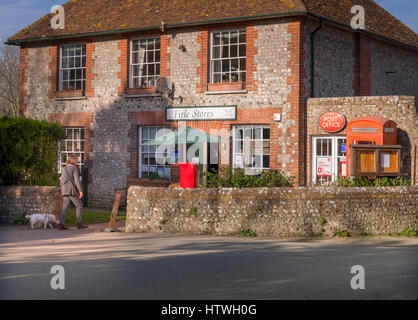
[{"x": 259, "y": 59}]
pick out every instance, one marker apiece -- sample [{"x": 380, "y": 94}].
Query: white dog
[{"x": 45, "y": 219}]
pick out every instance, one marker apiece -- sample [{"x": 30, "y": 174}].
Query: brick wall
[
  {"x": 362, "y": 65},
  {"x": 29, "y": 200},
  {"x": 274, "y": 212}
]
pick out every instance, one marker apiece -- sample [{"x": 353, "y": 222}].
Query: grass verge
[{"x": 90, "y": 217}]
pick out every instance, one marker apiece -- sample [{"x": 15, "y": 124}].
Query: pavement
[{"x": 159, "y": 266}]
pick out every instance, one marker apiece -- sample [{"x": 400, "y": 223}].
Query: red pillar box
[{"x": 189, "y": 175}]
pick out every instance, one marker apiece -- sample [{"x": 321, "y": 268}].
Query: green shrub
[
  {"x": 28, "y": 152},
  {"x": 152, "y": 176},
  {"x": 372, "y": 182},
  {"x": 236, "y": 178},
  {"x": 341, "y": 234},
  {"x": 193, "y": 211},
  {"x": 322, "y": 221},
  {"x": 248, "y": 233},
  {"x": 20, "y": 219},
  {"x": 409, "y": 233}
]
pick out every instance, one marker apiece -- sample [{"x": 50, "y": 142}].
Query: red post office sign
[{"x": 332, "y": 122}]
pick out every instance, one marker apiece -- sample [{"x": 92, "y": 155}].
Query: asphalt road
[{"x": 145, "y": 266}]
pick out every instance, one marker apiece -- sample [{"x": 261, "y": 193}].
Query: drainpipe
[{"x": 313, "y": 59}]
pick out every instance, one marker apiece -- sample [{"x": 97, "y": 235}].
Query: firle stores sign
[{"x": 201, "y": 113}]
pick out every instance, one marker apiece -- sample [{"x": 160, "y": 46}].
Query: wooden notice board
[{"x": 372, "y": 160}]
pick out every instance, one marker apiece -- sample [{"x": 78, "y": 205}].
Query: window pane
[
  {"x": 242, "y": 37},
  {"x": 225, "y": 52},
  {"x": 217, "y": 66},
  {"x": 225, "y": 66},
  {"x": 242, "y": 50},
  {"x": 234, "y": 37},
  {"x": 217, "y": 39},
  {"x": 217, "y": 78},
  {"x": 216, "y": 52},
  {"x": 234, "y": 51},
  {"x": 266, "y": 134}
]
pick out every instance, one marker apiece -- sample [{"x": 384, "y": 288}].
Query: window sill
[
  {"x": 146, "y": 95},
  {"x": 70, "y": 98},
  {"x": 226, "y": 92}
]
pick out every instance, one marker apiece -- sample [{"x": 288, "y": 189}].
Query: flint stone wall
[
  {"x": 29, "y": 200},
  {"x": 272, "y": 212}
]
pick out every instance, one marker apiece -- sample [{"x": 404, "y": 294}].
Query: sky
[{"x": 17, "y": 14}]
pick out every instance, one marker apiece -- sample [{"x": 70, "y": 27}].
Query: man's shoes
[
  {"x": 81, "y": 226},
  {"x": 62, "y": 227}
]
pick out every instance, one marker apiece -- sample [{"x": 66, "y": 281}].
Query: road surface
[{"x": 148, "y": 266}]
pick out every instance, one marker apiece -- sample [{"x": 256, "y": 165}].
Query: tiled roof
[{"x": 96, "y": 16}]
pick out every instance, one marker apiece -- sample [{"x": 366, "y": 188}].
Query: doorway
[{"x": 329, "y": 158}]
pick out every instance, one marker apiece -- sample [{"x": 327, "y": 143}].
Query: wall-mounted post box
[{"x": 368, "y": 137}]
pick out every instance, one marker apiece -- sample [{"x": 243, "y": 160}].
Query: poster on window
[
  {"x": 343, "y": 168},
  {"x": 324, "y": 167}
]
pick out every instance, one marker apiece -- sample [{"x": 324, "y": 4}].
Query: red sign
[{"x": 332, "y": 122}]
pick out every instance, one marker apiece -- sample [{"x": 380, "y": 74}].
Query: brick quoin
[
  {"x": 90, "y": 48},
  {"x": 83, "y": 120},
  {"x": 252, "y": 51},
  {"x": 123, "y": 60},
  {"x": 53, "y": 71},
  {"x": 362, "y": 65},
  {"x": 165, "y": 56},
  {"x": 295, "y": 99},
  {"x": 203, "y": 57},
  {"x": 23, "y": 80}
]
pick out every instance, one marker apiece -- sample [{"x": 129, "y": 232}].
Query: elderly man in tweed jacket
[{"x": 71, "y": 190}]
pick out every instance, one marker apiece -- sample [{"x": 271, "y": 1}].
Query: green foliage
[
  {"x": 322, "y": 221},
  {"x": 236, "y": 178},
  {"x": 341, "y": 234},
  {"x": 408, "y": 233},
  {"x": 152, "y": 176},
  {"x": 20, "y": 219},
  {"x": 248, "y": 233},
  {"x": 372, "y": 182},
  {"x": 258, "y": 209},
  {"x": 28, "y": 152},
  {"x": 193, "y": 211}
]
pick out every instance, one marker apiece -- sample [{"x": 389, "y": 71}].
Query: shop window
[
  {"x": 73, "y": 144},
  {"x": 228, "y": 56},
  {"x": 72, "y": 67},
  {"x": 145, "y": 62},
  {"x": 251, "y": 148},
  {"x": 151, "y": 161}
]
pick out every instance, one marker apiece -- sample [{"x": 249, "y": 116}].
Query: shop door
[{"x": 329, "y": 159}]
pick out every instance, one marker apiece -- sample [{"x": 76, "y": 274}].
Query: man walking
[{"x": 71, "y": 190}]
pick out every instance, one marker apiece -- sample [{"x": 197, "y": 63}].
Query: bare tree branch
[{"x": 9, "y": 80}]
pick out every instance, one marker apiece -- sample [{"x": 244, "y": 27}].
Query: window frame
[
  {"x": 81, "y": 164},
  {"x": 212, "y": 59},
  {"x": 235, "y": 141},
  {"x": 61, "y": 70},
  {"x": 140, "y": 148},
  {"x": 131, "y": 77}
]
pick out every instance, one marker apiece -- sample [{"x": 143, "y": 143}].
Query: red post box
[{"x": 189, "y": 174}]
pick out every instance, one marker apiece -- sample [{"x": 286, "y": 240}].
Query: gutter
[{"x": 313, "y": 58}]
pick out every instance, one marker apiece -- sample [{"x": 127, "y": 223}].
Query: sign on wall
[
  {"x": 201, "y": 113},
  {"x": 324, "y": 167},
  {"x": 332, "y": 122}
]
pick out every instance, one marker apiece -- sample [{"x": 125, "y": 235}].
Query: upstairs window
[
  {"x": 228, "y": 56},
  {"x": 72, "y": 67},
  {"x": 145, "y": 62}
]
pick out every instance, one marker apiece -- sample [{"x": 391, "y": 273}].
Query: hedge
[{"x": 28, "y": 152}]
